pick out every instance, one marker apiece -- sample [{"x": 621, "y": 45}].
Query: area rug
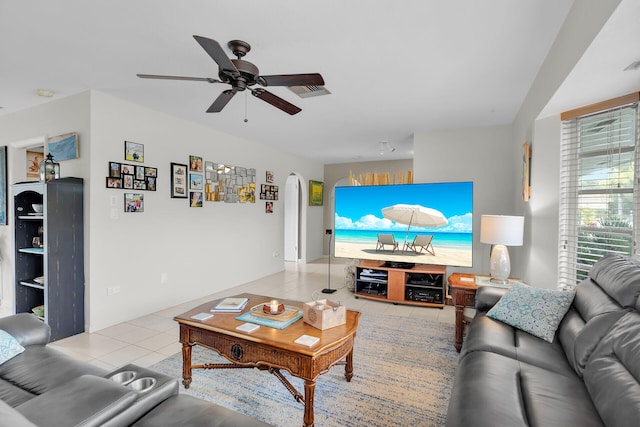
[{"x": 403, "y": 375}]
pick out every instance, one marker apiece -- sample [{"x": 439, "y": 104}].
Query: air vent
[{"x": 309, "y": 91}]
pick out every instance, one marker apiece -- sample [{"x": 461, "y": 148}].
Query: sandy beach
[{"x": 443, "y": 256}]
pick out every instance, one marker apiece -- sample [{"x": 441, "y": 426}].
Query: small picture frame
[
  {"x": 268, "y": 207},
  {"x": 195, "y": 181},
  {"x": 150, "y": 172},
  {"x": 127, "y": 181},
  {"x": 270, "y": 177},
  {"x": 316, "y": 189},
  {"x": 133, "y": 152},
  {"x": 115, "y": 170},
  {"x": 151, "y": 183},
  {"x": 179, "y": 181},
  {"x": 195, "y": 199},
  {"x": 126, "y": 169},
  {"x": 140, "y": 172},
  {"x": 133, "y": 202},
  {"x": 195, "y": 164},
  {"x": 114, "y": 182},
  {"x": 139, "y": 184}
]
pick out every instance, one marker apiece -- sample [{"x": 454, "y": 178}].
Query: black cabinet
[{"x": 49, "y": 270}]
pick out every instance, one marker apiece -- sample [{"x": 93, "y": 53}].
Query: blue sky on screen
[{"x": 361, "y": 207}]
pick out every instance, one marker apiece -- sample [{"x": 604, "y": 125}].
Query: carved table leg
[
  {"x": 459, "y": 327},
  {"x": 186, "y": 365},
  {"x": 348, "y": 367},
  {"x": 309, "y": 387}
]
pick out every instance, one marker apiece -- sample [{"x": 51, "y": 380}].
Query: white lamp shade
[{"x": 502, "y": 230}]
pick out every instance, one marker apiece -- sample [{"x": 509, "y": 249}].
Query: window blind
[{"x": 599, "y": 190}]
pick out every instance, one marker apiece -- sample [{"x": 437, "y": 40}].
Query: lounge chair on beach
[
  {"x": 422, "y": 242},
  {"x": 386, "y": 239}
]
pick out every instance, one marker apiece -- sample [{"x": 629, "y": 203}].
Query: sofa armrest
[
  {"x": 488, "y": 296},
  {"x": 26, "y": 328},
  {"x": 87, "y": 401}
]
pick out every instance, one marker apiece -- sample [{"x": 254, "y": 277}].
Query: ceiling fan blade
[
  {"x": 276, "y": 101},
  {"x": 314, "y": 79},
  {"x": 197, "y": 79},
  {"x": 216, "y": 52},
  {"x": 220, "y": 102}
]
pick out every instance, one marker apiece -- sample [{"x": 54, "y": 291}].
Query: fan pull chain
[{"x": 245, "y": 107}]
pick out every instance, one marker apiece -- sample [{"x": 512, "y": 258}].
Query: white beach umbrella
[{"x": 414, "y": 215}]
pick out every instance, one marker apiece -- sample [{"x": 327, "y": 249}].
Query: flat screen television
[{"x": 367, "y": 216}]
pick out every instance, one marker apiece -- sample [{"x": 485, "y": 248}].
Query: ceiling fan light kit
[{"x": 241, "y": 75}]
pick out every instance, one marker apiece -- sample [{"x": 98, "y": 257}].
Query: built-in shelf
[
  {"x": 38, "y": 251},
  {"x": 31, "y": 284},
  {"x": 60, "y": 260}
]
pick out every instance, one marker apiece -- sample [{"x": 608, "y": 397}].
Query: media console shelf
[{"x": 420, "y": 285}]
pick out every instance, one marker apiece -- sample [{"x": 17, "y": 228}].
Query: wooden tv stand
[{"x": 421, "y": 285}]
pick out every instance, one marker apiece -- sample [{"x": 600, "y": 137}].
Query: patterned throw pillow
[
  {"x": 9, "y": 347},
  {"x": 533, "y": 310}
]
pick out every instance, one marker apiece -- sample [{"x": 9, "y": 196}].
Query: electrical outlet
[{"x": 112, "y": 290}]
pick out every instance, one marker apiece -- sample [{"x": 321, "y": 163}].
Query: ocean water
[{"x": 449, "y": 240}]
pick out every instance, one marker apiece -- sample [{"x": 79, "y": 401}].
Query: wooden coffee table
[{"x": 268, "y": 348}]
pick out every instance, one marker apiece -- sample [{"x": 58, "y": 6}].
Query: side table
[{"x": 462, "y": 287}]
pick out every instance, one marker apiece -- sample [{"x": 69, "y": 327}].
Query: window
[{"x": 599, "y": 189}]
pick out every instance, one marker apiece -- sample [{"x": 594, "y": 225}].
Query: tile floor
[{"x": 149, "y": 339}]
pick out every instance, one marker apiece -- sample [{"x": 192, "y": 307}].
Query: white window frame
[{"x": 571, "y": 266}]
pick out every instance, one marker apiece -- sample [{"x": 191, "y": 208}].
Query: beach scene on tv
[{"x": 407, "y": 223}]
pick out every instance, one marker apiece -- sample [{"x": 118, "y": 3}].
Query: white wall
[
  {"x": 69, "y": 114},
  {"x": 481, "y": 155},
  {"x": 539, "y": 257},
  {"x": 197, "y": 250}
]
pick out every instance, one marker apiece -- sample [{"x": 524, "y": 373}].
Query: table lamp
[{"x": 501, "y": 231}]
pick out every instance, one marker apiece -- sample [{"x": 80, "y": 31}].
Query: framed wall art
[
  {"x": 195, "y": 181},
  {"x": 195, "y": 199},
  {"x": 33, "y": 164},
  {"x": 526, "y": 171},
  {"x": 63, "y": 147},
  {"x": 315, "y": 193},
  {"x": 133, "y": 202},
  {"x": 133, "y": 152},
  {"x": 115, "y": 170},
  {"x": 195, "y": 164},
  {"x": 179, "y": 181},
  {"x": 268, "y": 192},
  {"x": 114, "y": 182},
  {"x": 269, "y": 177}
]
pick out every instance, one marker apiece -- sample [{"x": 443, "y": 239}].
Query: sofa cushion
[
  {"x": 486, "y": 334},
  {"x": 619, "y": 276},
  {"x": 612, "y": 373},
  {"x": 40, "y": 368},
  {"x": 187, "y": 411},
  {"x": 492, "y": 390},
  {"x": 534, "y": 310},
  {"x": 9, "y": 347}
]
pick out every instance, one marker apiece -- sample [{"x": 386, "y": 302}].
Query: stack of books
[{"x": 230, "y": 305}]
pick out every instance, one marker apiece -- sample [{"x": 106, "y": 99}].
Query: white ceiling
[{"x": 393, "y": 67}]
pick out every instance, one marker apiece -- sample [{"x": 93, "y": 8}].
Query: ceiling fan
[{"x": 242, "y": 75}]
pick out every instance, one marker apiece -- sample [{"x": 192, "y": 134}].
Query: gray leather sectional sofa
[
  {"x": 44, "y": 387},
  {"x": 588, "y": 376}
]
